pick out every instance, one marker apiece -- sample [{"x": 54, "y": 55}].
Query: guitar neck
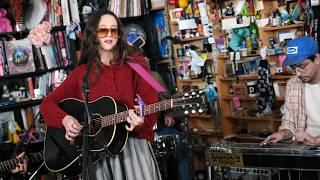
[
  {"x": 12, "y": 163},
  {"x": 146, "y": 110}
]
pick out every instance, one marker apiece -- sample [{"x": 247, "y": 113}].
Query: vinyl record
[{"x": 35, "y": 13}]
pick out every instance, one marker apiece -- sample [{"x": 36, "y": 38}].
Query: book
[
  {"x": 19, "y": 56},
  {"x": 3, "y": 59},
  {"x": 65, "y": 12},
  {"x": 30, "y": 87},
  {"x": 74, "y": 9}
]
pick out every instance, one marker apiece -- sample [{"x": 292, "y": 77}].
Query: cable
[{"x": 36, "y": 170}]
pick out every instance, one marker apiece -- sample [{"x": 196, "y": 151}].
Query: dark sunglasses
[{"x": 103, "y": 32}]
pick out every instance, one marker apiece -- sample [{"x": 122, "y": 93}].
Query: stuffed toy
[{"x": 5, "y": 24}]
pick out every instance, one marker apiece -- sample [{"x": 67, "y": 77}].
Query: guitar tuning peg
[
  {"x": 193, "y": 111},
  {"x": 186, "y": 112}
]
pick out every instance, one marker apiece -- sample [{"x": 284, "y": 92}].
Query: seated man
[
  {"x": 300, "y": 121},
  {"x": 301, "y": 118},
  {"x": 169, "y": 126}
]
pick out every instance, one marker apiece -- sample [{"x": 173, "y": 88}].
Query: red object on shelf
[{"x": 173, "y": 3}]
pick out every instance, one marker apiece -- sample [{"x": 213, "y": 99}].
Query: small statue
[{"x": 229, "y": 10}]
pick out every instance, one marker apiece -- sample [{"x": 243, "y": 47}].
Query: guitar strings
[
  {"x": 125, "y": 113},
  {"x": 108, "y": 118}
]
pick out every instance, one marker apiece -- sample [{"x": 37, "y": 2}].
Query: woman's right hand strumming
[{"x": 72, "y": 126}]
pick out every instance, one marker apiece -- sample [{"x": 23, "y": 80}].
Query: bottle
[
  {"x": 5, "y": 92},
  {"x": 248, "y": 42},
  {"x": 253, "y": 28},
  {"x": 278, "y": 18},
  {"x": 200, "y": 29},
  {"x": 274, "y": 20},
  {"x": 258, "y": 15},
  {"x": 254, "y": 31}
]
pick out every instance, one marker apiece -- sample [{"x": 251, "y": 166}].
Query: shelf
[
  {"x": 241, "y": 77},
  {"x": 248, "y": 98},
  {"x": 190, "y": 80},
  {"x": 14, "y": 33},
  {"x": 229, "y": 17},
  {"x": 279, "y": 77},
  {"x": 254, "y": 77},
  {"x": 166, "y": 61},
  {"x": 30, "y": 74},
  {"x": 194, "y": 39},
  {"x": 25, "y": 32},
  {"x": 205, "y": 132},
  {"x": 157, "y": 8},
  {"x": 251, "y": 118},
  {"x": 223, "y": 56},
  {"x": 19, "y": 105},
  {"x": 245, "y": 98},
  {"x": 282, "y": 27},
  {"x": 203, "y": 116}
]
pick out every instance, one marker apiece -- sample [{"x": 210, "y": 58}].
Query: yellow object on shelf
[{"x": 183, "y": 3}]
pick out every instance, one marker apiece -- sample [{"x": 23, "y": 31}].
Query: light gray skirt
[{"x": 139, "y": 163}]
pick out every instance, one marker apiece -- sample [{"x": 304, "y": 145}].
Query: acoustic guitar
[{"x": 107, "y": 135}]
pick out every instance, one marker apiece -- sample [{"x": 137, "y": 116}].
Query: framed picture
[
  {"x": 240, "y": 89},
  {"x": 19, "y": 56}
]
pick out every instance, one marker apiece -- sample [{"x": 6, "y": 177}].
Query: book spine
[
  {"x": 65, "y": 12},
  {"x": 30, "y": 87},
  {"x": 40, "y": 58},
  {"x": 4, "y": 56},
  {"x": 63, "y": 49},
  {"x": 58, "y": 48},
  {"x": 74, "y": 9},
  {"x": 68, "y": 48}
]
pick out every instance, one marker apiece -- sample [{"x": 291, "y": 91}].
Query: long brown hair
[{"x": 90, "y": 53}]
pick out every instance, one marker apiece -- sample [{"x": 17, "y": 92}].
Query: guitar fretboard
[
  {"x": 10, "y": 164},
  {"x": 146, "y": 110}
]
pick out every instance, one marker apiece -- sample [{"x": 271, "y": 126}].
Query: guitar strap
[{"x": 147, "y": 76}]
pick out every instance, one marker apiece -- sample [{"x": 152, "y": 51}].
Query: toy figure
[{"x": 5, "y": 24}]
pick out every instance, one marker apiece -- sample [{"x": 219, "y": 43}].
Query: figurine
[{"x": 229, "y": 10}]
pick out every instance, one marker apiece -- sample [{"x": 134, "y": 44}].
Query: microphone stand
[{"x": 87, "y": 168}]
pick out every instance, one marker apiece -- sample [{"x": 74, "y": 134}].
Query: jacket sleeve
[{"x": 49, "y": 107}]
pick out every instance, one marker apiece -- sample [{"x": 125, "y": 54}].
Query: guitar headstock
[{"x": 191, "y": 102}]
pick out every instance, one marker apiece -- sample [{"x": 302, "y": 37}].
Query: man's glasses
[
  {"x": 103, "y": 32},
  {"x": 301, "y": 67}
]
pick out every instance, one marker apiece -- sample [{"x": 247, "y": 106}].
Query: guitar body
[{"x": 61, "y": 156}]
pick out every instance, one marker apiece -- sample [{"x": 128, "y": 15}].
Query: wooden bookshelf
[{"x": 277, "y": 28}]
